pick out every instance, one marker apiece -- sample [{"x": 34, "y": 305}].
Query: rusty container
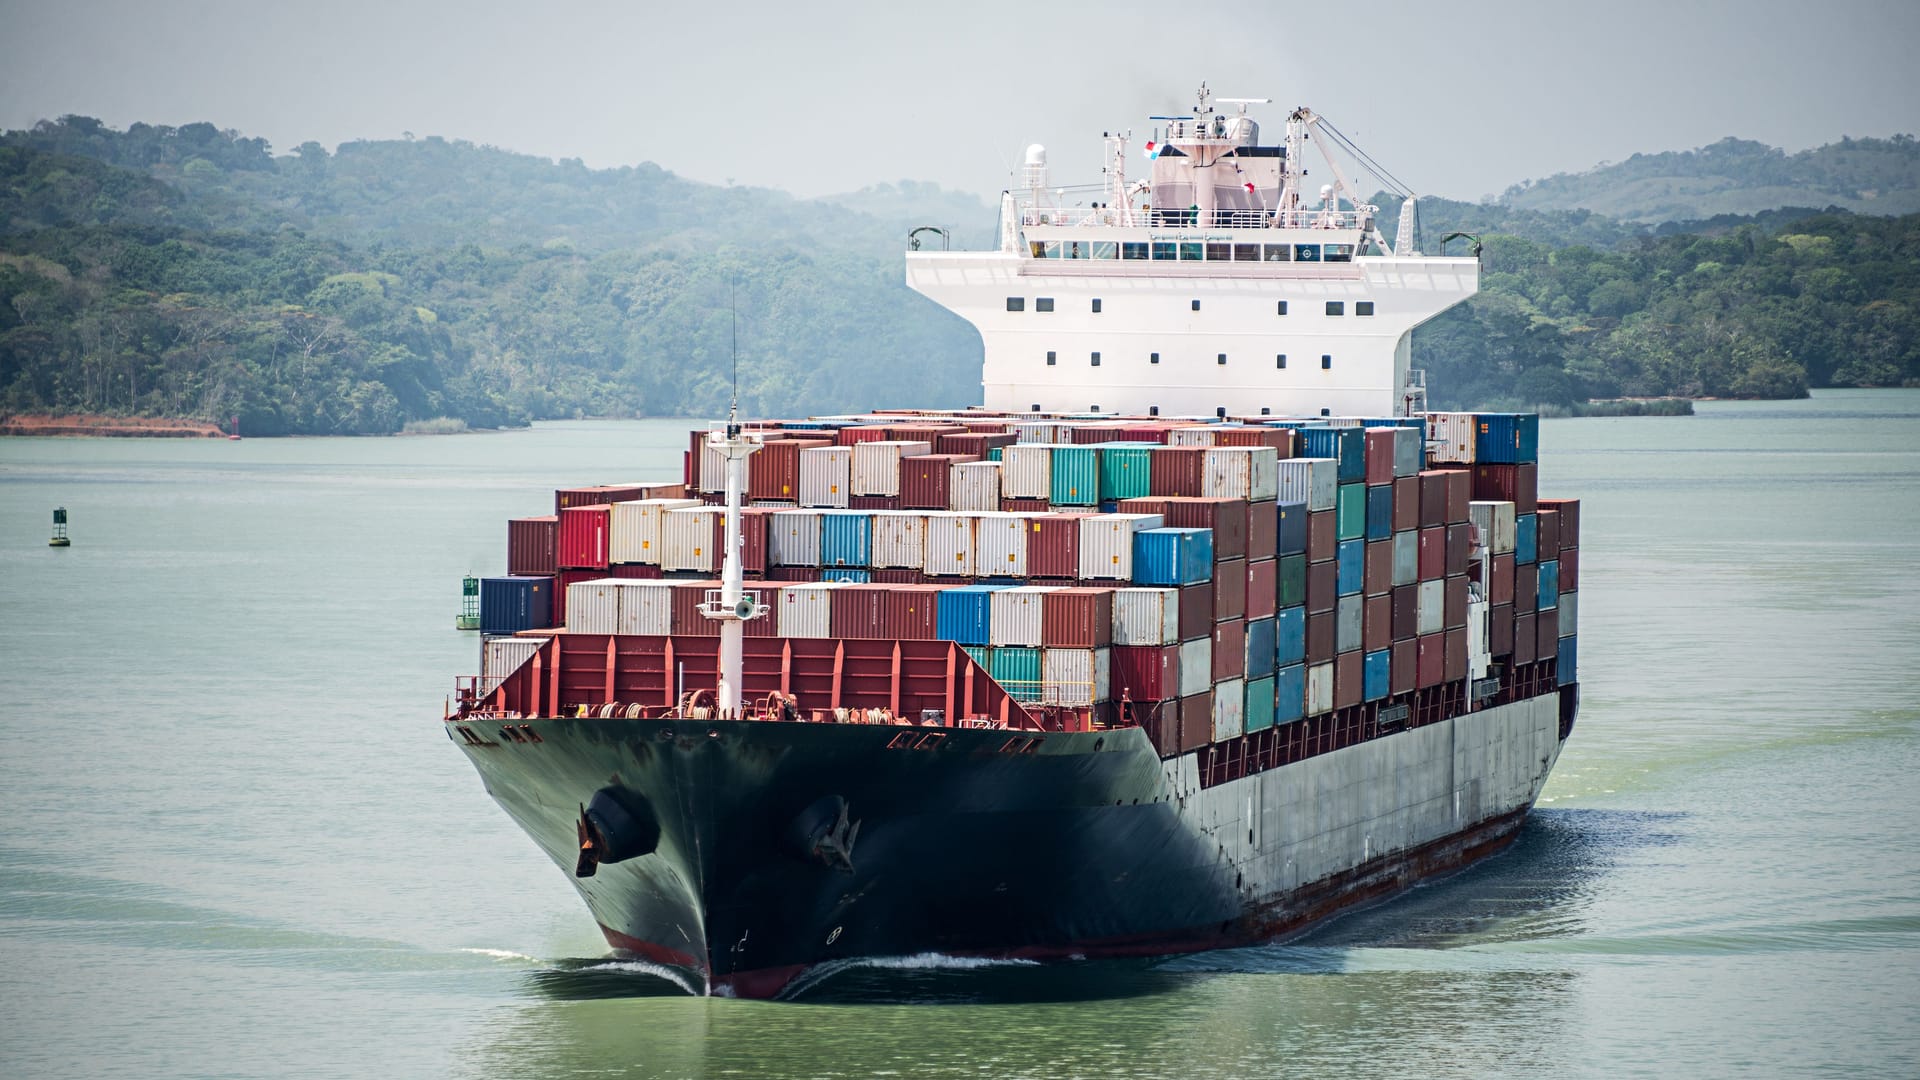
[
  {"x": 1379, "y": 568},
  {"x": 1320, "y": 637},
  {"x": 1196, "y": 721},
  {"x": 1177, "y": 471},
  {"x": 1500, "y": 589},
  {"x": 1227, "y": 517},
  {"x": 1349, "y": 679},
  {"x": 1517, "y": 484},
  {"x": 1230, "y": 590},
  {"x": 1459, "y": 547},
  {"x": 1229, "y": 650},
  {"x": 1500, "y": 629},
  {"x": 1546, "y": 631},
  {"x": 1569, "y": 511},
  {"x": 1376, "y": 623},
  {"x": 1323, "y": 585},
  {"x": 1524, "y": 640},
  {"x": 1431, "y": 661},
  {"x": 1406, "y": 611},
  {"x": 859, "y": 610},
  {"x": 1454, "y": 610},
  {"x": 1145, "y": 672},
  {"x": 533, "y": 546},
  {"x": 1263, "y": 595},
  {"x": 1077, "y": 618},
  {"x": 1323, "y": 541},
  {"x": 1455, "y": 663},
  {"x": 1406, "y": 503},
  {"x": 1196, "y": 610},
  {"x": 1053, "y": 546},
  {"x": 1526, "y": 590},
  {"x": 1433, "y": 553},
  {"x": 1403, "y": 667},
  {"x": 1380, "y": 450},
  {"x": 909, "y": 611}
]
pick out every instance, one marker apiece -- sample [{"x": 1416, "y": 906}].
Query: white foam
[
  {"x": 641, "y": 967},
  {"x": 502, "y": 954}
]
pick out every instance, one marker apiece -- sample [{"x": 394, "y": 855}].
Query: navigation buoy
[
  {"x": 469, "y": 617},
  {"x": 235, "y": 435},
  {"x": 59, "y": 528}
]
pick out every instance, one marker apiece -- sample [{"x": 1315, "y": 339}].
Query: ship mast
[{"x": 730, "y": 604}]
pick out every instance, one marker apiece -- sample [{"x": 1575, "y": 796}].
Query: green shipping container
[
  {"x": 1291, "y": 580},
  {"x": 1260, "y": 703},
  {"x": 1017, "y": 670},
  {"x": 1076, "y": 476},
  {"x": 982, "y": 655},
  {"x": 993, "y": 452},
  {"x": 1124, "y": 470},
  {"x": 1350, "y": 513}
]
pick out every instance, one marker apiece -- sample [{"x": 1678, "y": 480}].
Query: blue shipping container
[
  {"x": 1506, "y": 438},
  {"x": 1290, "y": 693},
  {"x": 1549, "y": 585},
  {"x": 1346, "y": 445},
  {"x": 1172, "y": 556},
  {"x": 1017, "y": 670},
  {"x": 846, "y": 537},
  {"x": 1352, "y": 575},
  {"x": 1380, "y": 512},
  {"x": 509, "y": 605},
  {"x": 1526, "y": 537},
  {"x": 1567, "y": 671},
  {"x": 1259, "y": 705},
  {"x": 1293, "y": 527},
  {"x": 1289, "y": 636},
  {"x": 1375, "y": 667},
  {"x": 961, "y": 614},
  {"x": 1259, "y": 648},
  {"x": 858, "y": 577}
]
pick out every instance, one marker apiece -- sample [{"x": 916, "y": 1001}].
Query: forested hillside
[{"x": 188, "y": 272}]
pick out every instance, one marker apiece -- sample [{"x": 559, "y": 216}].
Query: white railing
[{"x": 1114, "y": 216}]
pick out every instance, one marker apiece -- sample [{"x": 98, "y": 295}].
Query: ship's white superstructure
[{"x": 1230, "y": 281}]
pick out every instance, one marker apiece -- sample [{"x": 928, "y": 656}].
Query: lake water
[{"x": 234, "y": 840}]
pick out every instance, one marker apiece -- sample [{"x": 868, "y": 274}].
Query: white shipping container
[
  {"x": 1229, "y": 709},
  {"x": 1013, "y": 615},
  {"x": 974, "y": 485},
  {"x": 1314, "y": 481},
  {"x": 949, "y": 544},
  {"x": 1450, "y": 437},
  {"x": 687, "y": 538},
  {"x": 646, "y": 607},
  {"x": 1241, "y": 472},
  {"x": 710, "y": 472},
  {"x": 1432, "y": 613},
  {"x": 1406, "y": 557},
  {"x": 1075, "y": 677},
  {"x": 1569, "y": 614},
  {"x": 1106, "y": 543},
  {"x": 793, "y": 538},
  {"x": 1319, "y": 689},
  {"x": 593, "y": 607},
  {"x": 1479, "y": 653},
  {"x": 1348, "y": 620},
  {"x": 1198, "y": 435},
  {"x": 1196, "y": 666},
  {"x": 899, "y": 539},
  {"x": 1343, "y": 421},
  {"x": 502, "y": 656},
  {"x": 806, "y": 610},
  {"x": 1409, "y": 453},
  {"x": 1036, "y": 431},
  {"x": 1146, "y": 616},
  {"x": 633, "y": 529},
  {"x": 876, "y": 465},
  {"x": 1026, "y": 471},
  {"x": 826, "y": 476},
  {"x": 1494, "y": 525},
  {"x": 1000, "y": 544}
]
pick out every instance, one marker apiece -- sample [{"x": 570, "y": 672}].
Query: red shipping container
[
  {"x": 1229, "y": 590},
  {"x": 1077, "y": 619},
  {"x": 1196, "y": 611},
  {"x": 1379, "y": 568},
  {"x": 1433, "y": 553},
  {"x": 635, "y": 572},
  {"x": 687, "y": 620},
  {"x": 1161, "y": 721},
  {"x": 1523, "y": 639},
  {"x": 533, "y": 546},
  {"x": 1546, "y": 629},
  {"x": 1517, "y": 484},
  {"x": 1320, "y": 637},
  {"x": 1053, "y": 546},
  {"x": 583, "y": 538},
  {"x": 794, "y": 573},
  {"x": 601, "y": 495},
  {"x": 1229, "y": 650},
  {"x": 1322, "y": 533},
  {"x": 926, "y": 433},
  {"x": 1546, "y": 544},
  {"x": 1349, "y": 679},
  {"x": 1433, "y": 498},
  {"x": 858, "y": 610},
  {"x": 873, "y": 502},
  {"x": 1569, "y": 511},
  {"x": 1431, "y": 661},
  {"x": 1380, "y": 456},
  {"x": 896, "y": 576},
  {"x": 1228, "y": 518},
  {"x": 1454, "y": 612},
  {"x": 1196, "y": 721},
  {"x": 773, "y": 472},
  {"x": 1281, "y": 439},
  {"x": 926, "y": 480},
  {"x": 1323, "y": 584},
  {"x": 907, "y": 612},
  {"x": 1144, "y": 672},
  {"x": 1569, "y": 570},
  {"x": 1526, "y": 588},
  {"x": 1500, "y": 629},
  {"x": 1459, "y": 547},
  {"x": 1177, "y": 470},
  {"x": 1500, "y": 590},
  {"x": 1406, "y": 611},
  {"x": 753, "y": 538},
  {"x": 1376, "y": 623},
  {"x": 1263, "y": 530},
  {"x": 1456, "y": 658},
  {"x": 1023, "y": 506},
  {"x": 1403, "y": 667},
  {"x": 1142, "y": 506},
  {"x": 1263, "y": 588},
  {"x": 563, "y": 579},
  {"x": 849, "y": 436},
  {"x": 1406, "y": 503},
  {"x": 974, "y": 444},
  {"x": 1146, "y": 432},
  {"x": 1459, "y": 495}
]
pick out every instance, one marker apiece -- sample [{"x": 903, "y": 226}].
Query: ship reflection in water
[{"x": 1384, "y": 986}]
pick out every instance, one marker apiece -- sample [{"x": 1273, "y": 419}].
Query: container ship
[{"x": 1179, "y": 650}]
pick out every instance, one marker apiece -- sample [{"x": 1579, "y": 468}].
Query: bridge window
[
  {"x": 1279, "y": 252},
  {"x": 1246, "y": 253},
  {"x": 1336, "y": 253},
  {"x": 1153, "y": 410},
  {"x": 1326, "y": 361},
  {"x": 1280, "y": 308},
  {"x": 1104, "y": 249},
  {"x": 1051, "y": 358},
  {"x": 1219, "y": 252},
  {"x": 1334, "y": 307},
  {"x": 1323, "y": 412},
  {"x": 1363, "y": 307},
  {"x": 1045, "y": 303},
  {"x": 1153, "y": 358},
  {"x": 1096, "y": 359},
  {"x": 1280, "y": 361},
  {"x": 1096, "y": 307},
  {"x": 1165, "y": 249},
  {"x": 1133, "y": 250},
  {"x": 1222, "y": 360},
  {"x": 1196, "y": 305},
  {"x": 1016, "y": 303},
  {"x": 1191, "y": 251}
]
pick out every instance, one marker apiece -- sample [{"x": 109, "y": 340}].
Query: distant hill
[{"x": 1737, "y": 176}]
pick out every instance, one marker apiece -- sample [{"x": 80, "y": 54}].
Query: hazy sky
[{"x": 1457, "y": 99}]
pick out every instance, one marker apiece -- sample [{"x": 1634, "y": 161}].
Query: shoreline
[{"x": 85, "y": 425}]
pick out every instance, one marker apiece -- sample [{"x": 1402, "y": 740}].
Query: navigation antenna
[{"x": 730, "y": 605}]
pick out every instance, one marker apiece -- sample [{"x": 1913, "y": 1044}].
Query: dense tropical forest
[{"x": 189, "y": 272}]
